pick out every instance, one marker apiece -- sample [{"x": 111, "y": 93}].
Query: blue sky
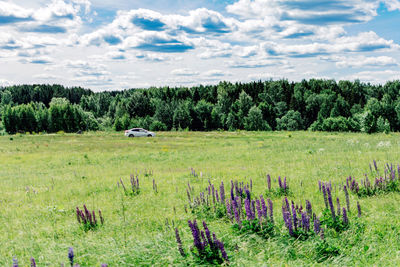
[{"x": 115, "y": 44}]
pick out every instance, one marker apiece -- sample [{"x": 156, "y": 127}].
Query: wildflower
[
  {"x": 308, "y": 208},
  {"x": 222, "y": 192},
  {"x": 271, "y": 210},
  {"x": 338, "y": 206},
  {"x": 295, "y": 222},
  {"x": 179, "y": 241},
  {"x": 359, "y": 209},
  {"x": 263, "y": 207},
  {"x": 324, "y": 193},
  {"x": 317, "y": 225},
  {"x": 71, "y": 256},
  {"x": 269, "y": 182},
  {"x": 15, "y": 262},
  {"x": 280, "y": 182},
  {"x": 248, "y": 209},
  {"x": 346, "y": 193},
  {"x": 222, "y": 249},
  {"x": 196, "y": 236},
  {"x": 332, "y": 208},
  {"x": 345, "y": 218},
  {"x": 259, "y": 211},
  {"x": 33, "y": 262}
]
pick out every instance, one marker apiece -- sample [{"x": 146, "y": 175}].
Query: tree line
[{"x": 315, "y": 104}]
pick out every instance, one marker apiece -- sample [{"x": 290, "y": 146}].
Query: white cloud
[
  {"x": 362, "y": 61},
  {"x": 184, "y": 72}
]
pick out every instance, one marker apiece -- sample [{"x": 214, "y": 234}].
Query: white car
[{"x": 139, "y": 132}]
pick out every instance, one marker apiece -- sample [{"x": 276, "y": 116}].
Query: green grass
[{"x": 44, "y": 177}]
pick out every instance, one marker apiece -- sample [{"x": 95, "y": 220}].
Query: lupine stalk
[
  {"x": 33, "y": 262},
  {"x": 179, "y": 241},
  {"x": 346, "y": 193},
  {"x": 345, "y": 218},
  {"x": 270, "y": 210},
  {"x": 309, "y": 208},
  {"x": 332, "y": 208},
  {"x": 71, "y": 256},
  {"x": 359, "y": 209},
  {"x": 222, "y": 192},
  {"x": 325, "y": 198},
  {"x": 269, "y": 182},
  {"x": 263, "y": 207},
  {"x": 338, "y": 206},
  {"x": 317, "y": 225}
]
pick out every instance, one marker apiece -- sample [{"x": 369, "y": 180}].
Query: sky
[{"x": 116, "y": 44}]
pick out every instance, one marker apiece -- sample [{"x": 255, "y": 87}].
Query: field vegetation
[{"x": 106, "y": 199}]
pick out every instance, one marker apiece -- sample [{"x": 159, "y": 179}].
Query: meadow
[{"x": 43, "y": 178}]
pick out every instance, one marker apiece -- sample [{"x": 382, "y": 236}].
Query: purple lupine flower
[
  {"x": 213, "y": 193},
  {"x": 203, "y": 237},
  {"x": 284, "y": 184},
  {"x": 248, "y": 195},
  {"x": 259, "y": 211},
  {"x": 280, "y": 182},
  {"x": 179, "y": 241},
  {"x": 196, "y": 236},
  {"x": 248, "y": 209},
  {"x": 33, "y": 262},
  {"x": 222, "y": 249},
  {"x": 359, "y": 209},
  {"x": 319, "y": 185},
  {"x": 375, "y": 166},
  {"x": 345, "y": 218},
  {"x": 253, "y": 208},
  {"x": 270, "y": 210},
  {"x": 269, "y": 181},
  {"x": 305, "y": 221},
  {"x": 237, "y": 216},
  {"x": 332, "y": 208},
  {"x": 338, "y": 206},
  {"x": 208, "y": 234},
  {"x": 71, "y": 256},
  {"x": 317, "y": 225},
  {"x": 289, "y": 224},
  {"x": 287, "y": 204},
  {"x": 325, "y": 198},
  {"x": 222, "y": 192},
  {"x": 346, "y": 193},
  {"x": 295, "y": 221},
  {"x": 217, "y": 196},
  {"x": 251, "y": 185},
  {"x": 398, "y": 171},
  {"x": 78, "y": 215},
  {"x": 308, "y": 208},
  {"x": 263, "y": 207},
  {"x": 232, "y": 194},
  {"x": 104, "y": 265},
  {"x": 15, "y": 262}
]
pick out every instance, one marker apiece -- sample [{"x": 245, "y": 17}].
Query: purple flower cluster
[
  {"x": 87, "y": 218},
  {"x": 193, "y": 172},
  {"x": 297, "y": 220},
  {"x": 204, "y": 242},
  {"x": 134, "y": 185},
  {"x": 179, "y": 241},
  {"x": 387, "y": 183}
]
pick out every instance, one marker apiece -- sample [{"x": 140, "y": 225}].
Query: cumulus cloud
[
  {"x": 184, "y": 72},
  {"x": 363, "y": 61}
]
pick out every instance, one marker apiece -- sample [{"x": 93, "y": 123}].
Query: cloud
[
  {"x": 43, "y": 29},
  {"x": 157, "y": 42},
  {"x": 362, "y": 62},
  {"x": 375, "y": 77},
  {"x": 216, "y": 73},
  {"x": 184, "y": 72}
]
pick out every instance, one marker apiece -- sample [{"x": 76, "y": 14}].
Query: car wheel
[
  {"x": 131, "y": 135},
  {"x": 149, "y": 135}
]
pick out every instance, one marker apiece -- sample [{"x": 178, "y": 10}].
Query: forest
[{"x": 315, "y": 104}]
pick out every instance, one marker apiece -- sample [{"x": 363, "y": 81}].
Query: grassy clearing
[{"x": 43, "y": 178}]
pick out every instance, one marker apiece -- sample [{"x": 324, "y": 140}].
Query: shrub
[{"x": 291, "y": 121}]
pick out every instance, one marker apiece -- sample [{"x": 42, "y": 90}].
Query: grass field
[{"x": 43, "y": 178}]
